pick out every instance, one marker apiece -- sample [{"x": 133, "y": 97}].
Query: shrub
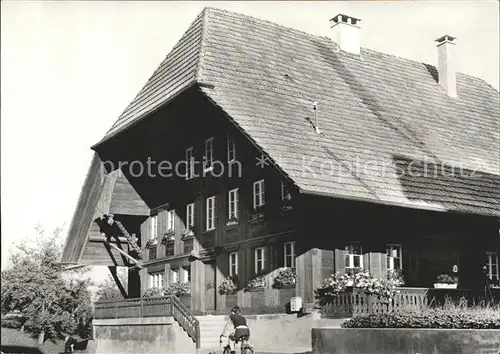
[
  {"x": 450, "y": 315},
  {"x": 396, "y": 276},
  {"x": 286, "y": 276}
]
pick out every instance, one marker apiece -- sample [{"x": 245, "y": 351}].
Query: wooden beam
[
  {"x": 119, "y": 284},
  {"x": 103, "y": 239},
  {"x": 125, "y": 254}
]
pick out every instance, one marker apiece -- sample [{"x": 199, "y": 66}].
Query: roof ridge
[{"x": 218, "y": 9}]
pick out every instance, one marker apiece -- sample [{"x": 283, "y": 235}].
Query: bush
[
  {"x": 450, "y": 315},
  {"x": 229, "y": 285},
  {"x": 154, "y": 292},
  {"x": 179, "y": 289}
]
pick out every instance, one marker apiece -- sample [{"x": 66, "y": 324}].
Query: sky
[{"x": 68, "y": 69}]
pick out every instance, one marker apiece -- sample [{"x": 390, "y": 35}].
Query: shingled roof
[{"x": 375, "y": 113}]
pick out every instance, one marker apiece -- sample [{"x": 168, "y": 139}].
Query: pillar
[
  {"x": 198, "y": 286},
  {"x": 309, "y": 274}
]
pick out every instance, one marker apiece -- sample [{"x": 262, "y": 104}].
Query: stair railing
[{"x": 186, "y": 320}]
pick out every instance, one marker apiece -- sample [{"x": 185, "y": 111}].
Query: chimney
[
  {"x": 346, "y": 33},
  {"x": 446, "y": 64}
]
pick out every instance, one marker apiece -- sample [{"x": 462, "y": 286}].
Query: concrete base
[
  {"x": 405, "y": 341},
  {"x": 141, "y": 335}
]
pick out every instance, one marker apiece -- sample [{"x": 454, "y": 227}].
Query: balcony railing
[
  {"x": 353, "y": 303},
  {"x": 164, "y": 306}
]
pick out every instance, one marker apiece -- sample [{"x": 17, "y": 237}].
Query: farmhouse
[{"x": 255, "y": 148}]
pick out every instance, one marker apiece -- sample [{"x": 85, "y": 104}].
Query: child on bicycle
[{"x": 240, "y": 328}]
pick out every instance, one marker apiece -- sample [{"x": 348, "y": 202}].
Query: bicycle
[{"x": 246, "y": 348}]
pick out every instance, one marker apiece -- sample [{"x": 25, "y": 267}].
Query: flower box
[
  {"x": 188, "y": 233},
  {"x": 151, "y": 243},
  {"x": 232, "y": 221},
  {"x": 445, "y": 286}
]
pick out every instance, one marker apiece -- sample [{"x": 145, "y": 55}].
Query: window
[
  {"x": 260, "y": 259},
  {"x": 189, "y": 163},
  {"x": 175, "y": 275},
  {"x": 169, "y": 249},
  {"x": 289, "y": 255},
  {"x": 154, "y": 226},
  {"x": 233, "y": 264},
  {"x": 209, "y": 153},
  {"x": 210, "y": 205},
  {"x": 186, "y": 274},
  {"x": 156, "y": 280},
  {"x": 171, "y": 220},
  {"x": 285, "y": 195},
  {"x": 233, "y": 203},
  {"x": 353, "y": 256},
  {"x": 190, "y": 215},
  {"x": 492, "y": 265},
  {"x": 258, "y": 194},
  {"x": 394, "y": 256},
  {"x": 231, "y": 149}
]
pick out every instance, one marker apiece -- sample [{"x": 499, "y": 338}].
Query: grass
[{"x": 14, "y": 337}]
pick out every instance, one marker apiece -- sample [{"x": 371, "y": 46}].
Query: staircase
[{"x": 210, "y": 330}]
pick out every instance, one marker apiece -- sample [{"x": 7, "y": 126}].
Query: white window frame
[
  {"x": 351, "y": 256},
  {"x": 190, "y": 162},
  {"x": 235, "y": 272},
  {"x": 262, "y": 260},
  {"x": 156, "y": 280},
  {"x": 171, "y": 220},
  {"x": 390, "y": 259},
  {"x": 232, "y": 203},
  {"x": 231, "y": 149},
  {"x": 190, "y": 215},
  {"x": 291, "y": 255},
  {"x": 210, "y": 213},
  {"x": 492, "y": 258},
  {"x": 154, "y": 226},
  {"x": 175, "y": 275},
  {"x": 285, "y": 194},
  {"x": 259, "y": 196},
  {"x": 209, "y": 154}
]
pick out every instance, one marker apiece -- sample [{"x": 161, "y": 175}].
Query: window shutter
[
  {"x": 340, "y": 261},
  {"x": 378, "y": 265}
]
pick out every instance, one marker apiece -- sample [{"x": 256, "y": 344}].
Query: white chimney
[
  {"x": 446, "y": 64},
  {"x": 346, "y": 32}
]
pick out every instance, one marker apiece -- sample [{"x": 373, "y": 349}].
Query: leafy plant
[
  {"x": 155, "y": 292},
  {"x": 50, "y": 300},
  {"x": 357, "y": 280},
  {"x": 229, "y": 285},
  {"x": 258, "y": 280},
  {"x": 396, "y": 276},
  {"x": 286, "y": 276},
  {"x": 446, "y": 279},
  {"x": 179, "y": 289},
  {"x": 450, "y": 315}
]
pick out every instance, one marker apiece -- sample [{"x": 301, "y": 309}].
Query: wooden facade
[{"x": 137, "y": 191}]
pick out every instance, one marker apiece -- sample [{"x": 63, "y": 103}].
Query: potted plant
[
  {"x": 233, "y": 220},
  {"x": 445, "y": 281},
  {"x": 168, "y": 236},
  {"x": 258, "y": 281},
  {"x": 187, "y": 233},
  {"x": 396, "y": 276},
  {"x": 257, "y": 213},
  {"x": 152, "y": 242},
  {"x": 229, "y": 285},
  {"x": 286, "y": 276}
]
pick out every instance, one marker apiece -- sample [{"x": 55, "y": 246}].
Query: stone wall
[{"x": 404, "y": 341}]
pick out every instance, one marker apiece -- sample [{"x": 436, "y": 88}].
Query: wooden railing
[
  {"x": 151, "y": 307},
  {"x": 354, "y": 303}
]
